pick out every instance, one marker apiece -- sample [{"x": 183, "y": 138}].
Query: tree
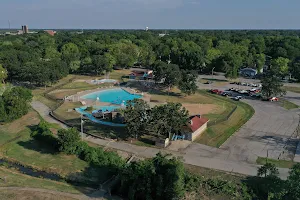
[
  {"x": 168, "y": 74},
  {"x": 103, "y": 63},
  {"x": 70, "y": 52},
  {"x": 270, "y": 185},
  {"x": 68, "y": 140},
  {"x": 293, "y": 183},
  {"x": 167, "y": 119},
  {"x": 137, "y": 116},
  {"x": 74, "y": 65},
  {"x": 267, "y": 169},
  {"x": 260, "y": 61},
  {"x": 187, "y": 83},
  {"x": 158, "y": 178},
  {"x": 125, "y": 53},
  {"x": 51, "y": 53},
  {"x": 271, "y": 85},
  {"x": 3, "y": 74},
  {"x": 280, "y": 65},
  {"x": 14, "y": 103}
]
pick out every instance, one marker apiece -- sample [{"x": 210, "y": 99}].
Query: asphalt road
[{"x": 271, "y": 132}]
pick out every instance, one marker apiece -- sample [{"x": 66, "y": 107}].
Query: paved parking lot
[{"x": 270, "y": 132}]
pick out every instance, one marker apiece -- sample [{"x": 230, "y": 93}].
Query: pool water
[{"x": 114, "y": 96}]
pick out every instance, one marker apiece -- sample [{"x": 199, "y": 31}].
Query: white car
[
  {"x": 253, "y": 89},
  {"x": 243, "y": 91}
]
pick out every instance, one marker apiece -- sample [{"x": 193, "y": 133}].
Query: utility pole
[
  {"x": 212, "y": 73},
  {"x": 81, "y": 123}
]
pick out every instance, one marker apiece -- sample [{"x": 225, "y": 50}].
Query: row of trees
[
  {"x": 162, "y": 120},
  {"x": 42, "y": 59}
]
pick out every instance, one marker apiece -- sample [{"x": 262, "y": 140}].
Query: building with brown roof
[
  {"x": 197, "y": 125},
  {"x": 50, "y": 32}
]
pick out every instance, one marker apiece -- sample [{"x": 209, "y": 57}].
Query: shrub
[
  {"x": 68, "y": 140},
  {"x": 42, "y": 133}
]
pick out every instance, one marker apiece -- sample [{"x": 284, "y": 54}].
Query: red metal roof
[{"x": 197, "y": 122}]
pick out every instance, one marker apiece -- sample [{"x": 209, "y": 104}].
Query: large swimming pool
[{"x": 114, "y": 96}]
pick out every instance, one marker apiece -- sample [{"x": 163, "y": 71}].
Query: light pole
[
  {"x": 97, "y": 100},
  {"x": 212, "y": 73},
  {"x": 81, "y": 123}
]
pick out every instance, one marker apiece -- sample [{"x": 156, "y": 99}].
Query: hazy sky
[{"x": 156, "y": 14}]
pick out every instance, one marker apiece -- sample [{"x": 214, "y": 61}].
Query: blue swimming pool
[{"x": 114, "y": 96}]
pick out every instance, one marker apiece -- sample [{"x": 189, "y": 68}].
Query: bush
[
  {"x": 68, "y": 140},
  {"x": 14, "y": 103},
  {"x": 42, "y": 133}
]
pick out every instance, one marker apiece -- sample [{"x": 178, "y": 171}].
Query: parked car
[
  {"x": 208, "y": 82},
  {"x": 273, "y": 99},
  {"x": 237, "y": 98},
  {"x": 216, "y": 91},
  {"x": 226, "y": 94},
  {"x": 243, "y": 91}
]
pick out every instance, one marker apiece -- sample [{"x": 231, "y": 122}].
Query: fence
[{"x": 223, "y": 119}]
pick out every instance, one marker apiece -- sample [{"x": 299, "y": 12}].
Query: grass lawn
[
  {"x": 287, "y": 104},
  {"x": 277, "y": 163},
  {"x": 292, "y": 89},
  {"x": 16, "y": 179},
  {"x": 30, "y": 152},
  {"x": 217, "y": 134}
]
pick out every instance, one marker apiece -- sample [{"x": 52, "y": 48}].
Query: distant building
[
  {"x": 50, "y": 32},
  {"x": 249, "y": 72},
  {"x": 25, "y": 29}
]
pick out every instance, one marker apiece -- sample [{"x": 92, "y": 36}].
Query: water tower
[{"x": 147, "y": 28}]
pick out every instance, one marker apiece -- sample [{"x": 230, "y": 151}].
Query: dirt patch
[
  {"x": 18, "y": 125},
  {"x": 202, "y": 109}
]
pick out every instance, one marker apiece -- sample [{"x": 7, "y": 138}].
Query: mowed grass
[
  {"x": 30, "y": 152},
  {"x": 277, "y": 163},
  {"x": 292, "y": 89},
  {"x": 16, "y": 179},
  {"x": 21, "y": 194},
  {"x": 287, "y": 104},
  {"x": 20, "y": 147},
  {"x": 216, "y": 135}
]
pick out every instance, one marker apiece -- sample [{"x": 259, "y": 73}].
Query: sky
[{"x": 155, "y": 14}]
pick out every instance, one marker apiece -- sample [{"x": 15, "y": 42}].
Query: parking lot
[{"x": 271, "y": 132}]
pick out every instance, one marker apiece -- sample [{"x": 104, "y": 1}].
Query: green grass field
[
  {"x": 217, "y": 134},
  {"x": 292, "y": 89},
  {"x": 16, "y": 179},
  {"x": 277, "y": 163},
  {"x": 287, "y": 104}
]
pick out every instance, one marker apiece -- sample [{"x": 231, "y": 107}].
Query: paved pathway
[{"x": 43, "y": 110}]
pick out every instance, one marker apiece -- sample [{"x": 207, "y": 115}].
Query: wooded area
[{"x": 42, "y": 59}]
